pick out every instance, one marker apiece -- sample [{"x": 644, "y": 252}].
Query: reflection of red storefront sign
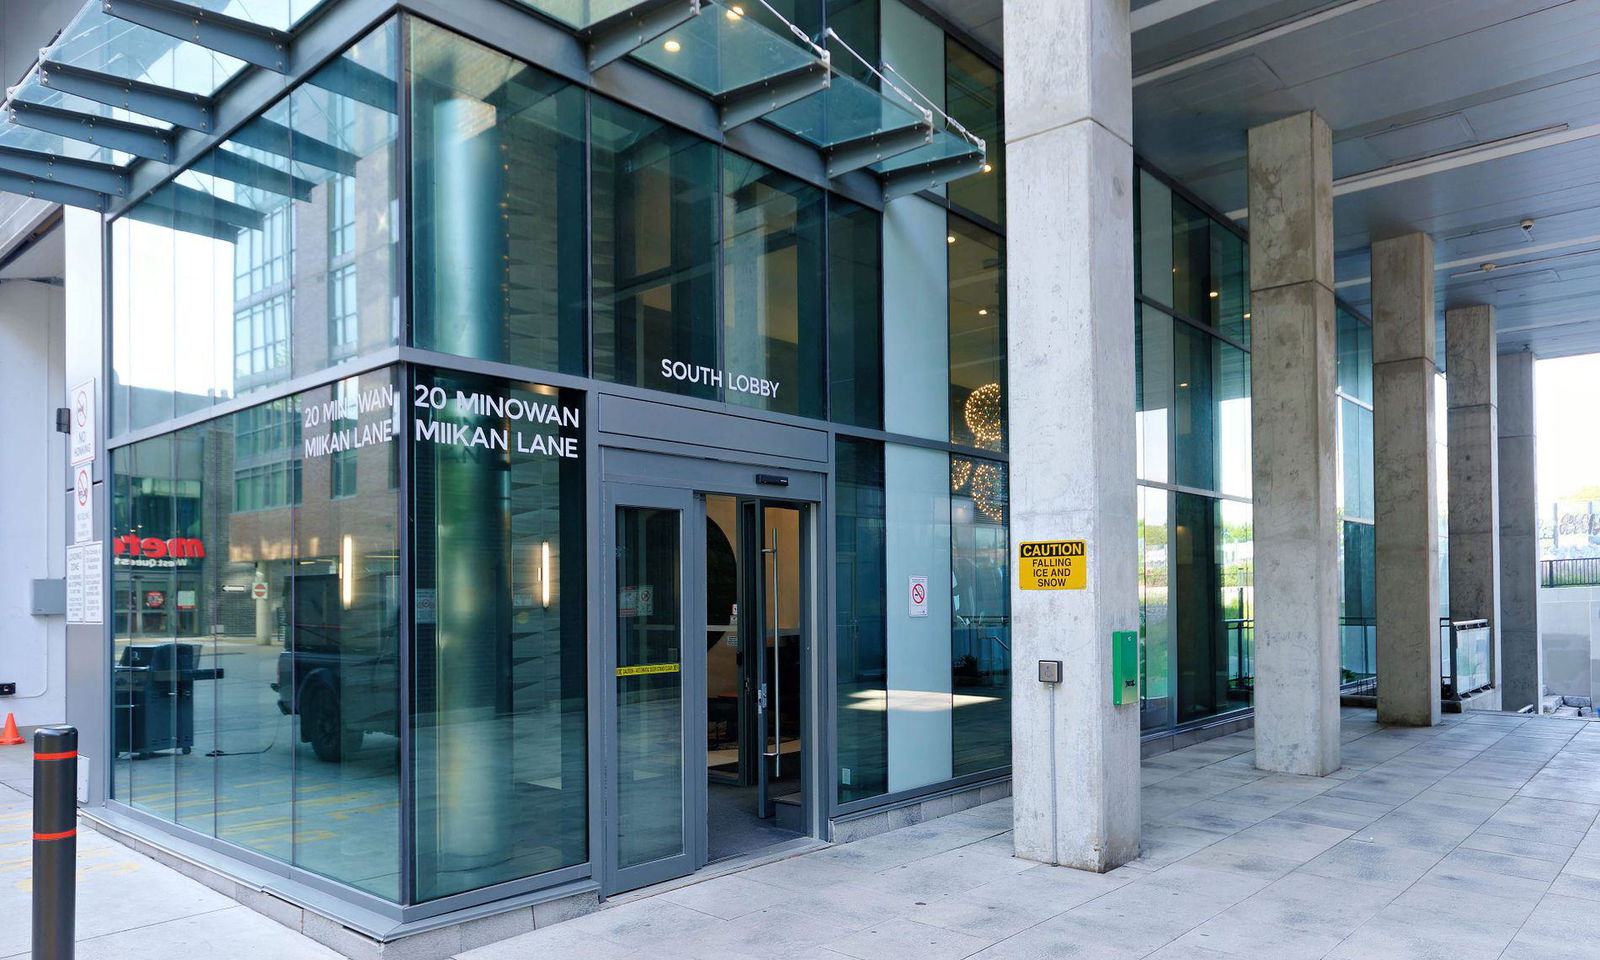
[
  {"x": 155, "y": 599},
  {"x": 132, "y": 550}
]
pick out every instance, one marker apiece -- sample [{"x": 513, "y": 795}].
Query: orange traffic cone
[{"x": 9, "y": 735}]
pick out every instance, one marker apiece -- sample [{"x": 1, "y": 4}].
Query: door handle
[{"x": 776, "y": 753}]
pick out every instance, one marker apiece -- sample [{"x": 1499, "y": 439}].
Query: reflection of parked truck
[{"x": 340, "y": 672}]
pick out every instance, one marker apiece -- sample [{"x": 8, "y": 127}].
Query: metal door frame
[
  {"x": 691, "y": 672},
  {"x": 632, "y": 477}
]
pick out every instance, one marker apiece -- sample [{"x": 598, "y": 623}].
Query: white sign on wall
[
  {"x": 80, "y": 410},
  {"x": 93, "y": 585},
  {"x": 82, "y": 504},
  {"x": 84, "y": 593},
  {"x": 918, "y": 596}
]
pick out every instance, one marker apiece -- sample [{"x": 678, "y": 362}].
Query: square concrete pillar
[
  {"x": 1521, "y": 661},
  {"x": 1471, "y": 374},
  {"x": 1295, "y": 446},
  {"x": 1405, "y": 480},
  {"x": 1075, "y": 755}
]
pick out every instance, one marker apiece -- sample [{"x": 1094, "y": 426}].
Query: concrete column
[
  {"x": 1069, "y": 129},
  {"x": 1474, "y": 475},
  {"x": 1296, "y": 447},
  {"x": 1521, "y": 662},
  {"x": 1405, "y": 475}
]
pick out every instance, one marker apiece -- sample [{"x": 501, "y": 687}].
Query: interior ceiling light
[
  {"x": 672, "y": 46},
  {"x": 950, "y": 239},
  {"x": 735, "y": 12}
]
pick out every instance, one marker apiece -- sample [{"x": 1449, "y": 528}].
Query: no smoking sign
[
  {"x": 918, "y": 596},
  {"x": 82, "y": 505},
  {"x": 83, "y": 428}
]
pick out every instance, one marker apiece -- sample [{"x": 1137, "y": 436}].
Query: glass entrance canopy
[
  {"x": 125, "y": 77},
  {"x": 118, "y": 82}
]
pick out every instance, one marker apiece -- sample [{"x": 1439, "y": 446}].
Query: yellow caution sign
[
  {"x": 643, "y": 669},
  {"x": 1052, "y": 565}
]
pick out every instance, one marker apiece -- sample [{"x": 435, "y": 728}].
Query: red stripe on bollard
[
  {"x": 70, "y": 754},
  {"x": 56, "y": 836}
]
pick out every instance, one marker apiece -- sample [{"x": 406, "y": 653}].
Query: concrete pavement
[{"x": 1474, "y": 839}]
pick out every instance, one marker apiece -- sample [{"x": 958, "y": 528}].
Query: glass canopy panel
[
  {"x": 847, "y": 110},
  {"x": 946, "y": 144},
  {"x": 580, "y": 13},
  {"x": 19, "y": 137},
  {"x": 722, "y": 50},
  {"x": 97, "y": 41},
  {"x": 31, "y": 91}
]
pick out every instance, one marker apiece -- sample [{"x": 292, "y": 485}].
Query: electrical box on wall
[{"x": 1124, "y": 667}]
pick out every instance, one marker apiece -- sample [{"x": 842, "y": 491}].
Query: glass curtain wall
[
  {"x": 1192, "y": 426},
  {"x": 1358, "y": 650},
  {"x": 271, "y": 257},
  {"x": 255, "y": 659},
  {"x": 497, "y": 206},
  {"x": 276, "y": 565},
  {"x": 499, "y": 647}
]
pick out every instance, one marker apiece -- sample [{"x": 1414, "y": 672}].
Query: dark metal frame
[
  {"x": 184, "y": 109},
  {"x": 149, "y": 143},
  {"x": 621, "y": 33},
  {"x": 244, "y": 40}
]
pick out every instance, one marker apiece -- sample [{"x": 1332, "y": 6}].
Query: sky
[{"x": 1567, "y": 399}]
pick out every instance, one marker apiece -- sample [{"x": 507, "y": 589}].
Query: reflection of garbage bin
[{"x": 154, "y": 690}]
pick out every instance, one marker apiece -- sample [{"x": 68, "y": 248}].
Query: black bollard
[{"x": 55, "y": 841}]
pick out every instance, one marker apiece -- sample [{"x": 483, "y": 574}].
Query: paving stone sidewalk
[
  {"x": 129, "y": 906},
  {"x": 1475, "y": 839}
]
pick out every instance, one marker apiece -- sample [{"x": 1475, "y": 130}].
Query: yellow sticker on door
[
  {"x": 645, "y": 668},
  {"x": 1052, "y": 565}
]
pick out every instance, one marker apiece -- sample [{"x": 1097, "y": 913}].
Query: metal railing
[
  {"x": 1466, "y": 657},
  {"x": 1241, "y": 645},
  {"x": 1570, "y": 572}
]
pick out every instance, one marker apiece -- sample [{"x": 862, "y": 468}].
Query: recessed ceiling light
[
  {"x": 984, "y": 312},
  {"x": 988, "y": 168},
  {"x": 672, "y": 46},
  {"x": 735, "y": 12},
  {"x": 950, "y": 239}
]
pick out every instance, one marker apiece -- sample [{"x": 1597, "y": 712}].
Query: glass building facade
[
  {"x": 1193, "y": 429},
  {"x": 385, "y": 365},
  {"x": 1192, "y": 348}
]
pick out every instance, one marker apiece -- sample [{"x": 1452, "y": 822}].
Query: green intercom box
[{"x": 1124, "y": 667}]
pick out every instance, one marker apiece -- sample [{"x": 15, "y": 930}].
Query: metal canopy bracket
[
  {"x": 849, "y": 155},
  {"x": 275, "y": 138},
  {"x": 930, "y": 175},
  {"x": 237, "y": 168},
  {"x": 183, "y": 199},
  {"x": 184, "y": 109},
  {"x": 52, "y": 191},
  {"x": 84, "y": 174},
  {"x": 755, "y": 100},
  {"x": 621, "y": 33},
  {"x": 353, "y": 81},
  {"x": 134, "y": 138},
  {"x": 251, "y": 42}
]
